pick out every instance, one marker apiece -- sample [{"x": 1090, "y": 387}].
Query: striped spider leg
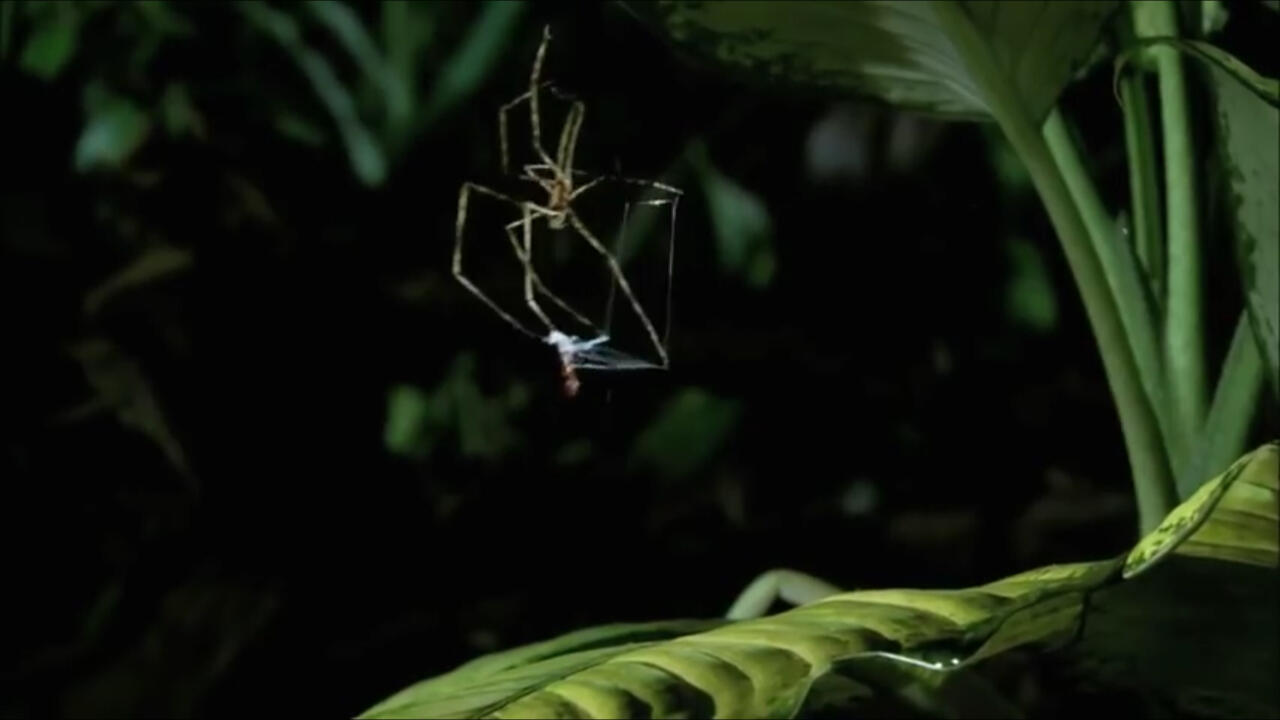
[{"x": 556, "y": 178}]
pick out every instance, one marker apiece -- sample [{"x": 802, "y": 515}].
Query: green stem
[
  {"x": 1144, "y": 190},
  {"x": 1234, "y": 404},
  {"x": 1184, "y": 321},
  {"x": 1120, "y": 268},
  {"x": 1153, "y": 485}
]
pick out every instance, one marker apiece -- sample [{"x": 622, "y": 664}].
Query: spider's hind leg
[{"x": 524, "y": 251}]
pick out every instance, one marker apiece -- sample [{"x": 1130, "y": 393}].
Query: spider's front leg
[{"x": 503, "y": 136}]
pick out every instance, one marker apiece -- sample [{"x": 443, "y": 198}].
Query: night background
[{"x": 262, "y": 451}]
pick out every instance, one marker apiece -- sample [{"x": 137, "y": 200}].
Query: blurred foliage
[
  {"x": 687, "y": 433},
  {"x": 418, "y": 422},
  {"x": 121, "y": 386},
  {"x": 1030, "y": 301},
  {"x": 743, "y": 229}
]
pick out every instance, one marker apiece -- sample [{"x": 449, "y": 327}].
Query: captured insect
[{"x": 557, "y": 177}]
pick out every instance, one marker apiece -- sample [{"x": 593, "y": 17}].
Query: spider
[{"x": 556, "y": 177}]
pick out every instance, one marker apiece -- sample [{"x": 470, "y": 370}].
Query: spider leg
[
  {"x": 616, "y": 270},
  {"x": 535, "y": 119},
  {"x": 569, "y": 139},
  {"x": 503, "y": 141},
  {"x": 463, "y": 196},
  {"x": 584, "y": 188},
  {"x": 673, "y": 202},
  {"x": 526, "y": 258},
  {"x": 531, "y": 271}
]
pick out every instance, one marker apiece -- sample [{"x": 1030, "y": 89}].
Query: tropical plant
[{"x": 1115, "y": 623}]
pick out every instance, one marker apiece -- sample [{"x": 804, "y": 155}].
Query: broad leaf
[
  {"x": 908, "y": 642},
  {"x": 1249, "y": 135},
  {"x": 904, "y": 53},
  {"x": 1232, "y": 517},
  {"x": 490, "y": 681}
]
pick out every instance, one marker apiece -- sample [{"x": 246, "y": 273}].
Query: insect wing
[{"x": 603, "y": 358}]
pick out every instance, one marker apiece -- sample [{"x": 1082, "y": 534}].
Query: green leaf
[
  {"x": 417, "y": 421},
  {"x": 741, "y": 223},
  {"x": 762, "y": 668},
  {"x": 1235, "y": 404},
  {"x": 155, "y": 263},
  {"x": 407, "y": 30},
  {"x": 1232, "y": 517},
  {"x": 1029, "y": 297},
  {"x": 115, "y": 129},
  {"x": 487, "y": 682},
  {"x": 179, "y": 113},
  {"x": 414, "y": 421},
  {"x": 119, "y": 383},
  {"x": 690, "y": 429},
  {"x": 54, "y": 42},
  {"x": 1249, "y": 137},
  {"x": 1213, "y": 17},
  {"x": 918, "y": 646},
  {"x": 349, "y": 29},
  {"x": 1198, "y": 630},
  {"x": 900, "y": 52},
  {"x": 363, "y": 151},
  {"x": 486, "y": 40},
  {"x": 1268, "y": 89},
  {"x": 299, "y": 129}
]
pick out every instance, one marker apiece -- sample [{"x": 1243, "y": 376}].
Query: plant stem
[
  {"x": 1184, "y": 321},
  {"x": 1234, "y": 404},
  {"x": 1144, "y": 190},
  {"x": 1121, "y": 269},
  {"x": 1153, "y": 485}
]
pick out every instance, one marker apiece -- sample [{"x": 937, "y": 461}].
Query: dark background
[{"x": 911, "y": 398}]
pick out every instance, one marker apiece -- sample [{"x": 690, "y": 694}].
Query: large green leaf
[
  {"x": 904, "y": 53},
  {"x": 924, "y": 641},
  {"x": 1249, "y": 135},
  {"x": 489, "y": 682}
]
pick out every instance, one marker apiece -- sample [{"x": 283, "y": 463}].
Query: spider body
[
  {"x": 555, "y": 176},
  {"x": 560, "y": 192}
]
